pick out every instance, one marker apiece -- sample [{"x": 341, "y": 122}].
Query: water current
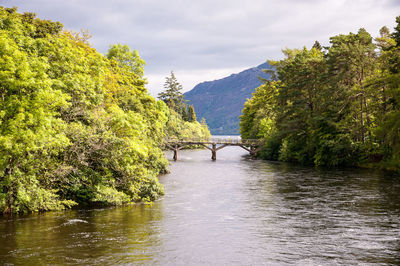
[{"x": 234, "y": 211}]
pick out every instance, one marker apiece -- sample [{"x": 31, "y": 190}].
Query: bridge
[{"x": 215, "y": 144}]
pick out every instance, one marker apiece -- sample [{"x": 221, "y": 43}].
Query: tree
[
  {"x": 74, "y": 129},
  {"x": 299, "y": 102},
  {"x": 203, "y": 121},
  {"x": 387, "y": 81},
  {"x": 317, "y": 46},
  {"x": 333, "y": 106},
  {"x": 127, "y": 58},
  {"x": 351, "y": 59},
  {"x": 173, "y": 93},
  {"x": 192, "y": 114},
  {"x": 184, "y": 113},
  {"x": 261, "y": 106},
  {"x": 396, "y": 33},
  {"x": 171, "y": 103}
]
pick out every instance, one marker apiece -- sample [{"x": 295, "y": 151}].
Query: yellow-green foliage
[
  {"x": 75, "y": 126},
  {"x": 179, "y": 129}
]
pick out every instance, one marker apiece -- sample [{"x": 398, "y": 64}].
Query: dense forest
[
  {"x": 76, "y": 126},
  {"x": 331, "y": 106}
]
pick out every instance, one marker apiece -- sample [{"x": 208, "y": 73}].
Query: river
[{"x": 228, "y": 212}]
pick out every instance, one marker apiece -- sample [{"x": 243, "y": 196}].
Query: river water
[{"x": 233, "y": 211}]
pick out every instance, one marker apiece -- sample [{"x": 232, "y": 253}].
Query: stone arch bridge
[{"x": 215, "y": 144}]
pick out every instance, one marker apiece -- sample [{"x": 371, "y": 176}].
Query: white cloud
[{"x": 202, "y": 40}]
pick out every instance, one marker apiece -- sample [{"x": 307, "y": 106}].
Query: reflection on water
[
  {"x": 87, "y": 236},
  {"x": 231, "y": 211}
]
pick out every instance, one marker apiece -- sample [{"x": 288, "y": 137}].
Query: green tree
[
  {"x": 192, "y": 114},
  {"x": 31, "y": 132},
  {"x": 126, "y": 57},
  {"x": 396, "y": 32},
  {"x": 320, "y": 110},
  {"x": 184, "y": 113},
  {"x": 317, "y": 45},
  {"x": 352, "y": 59},
  {"x": 173, "y": 92},
  {"x": 387, "y": 82},
  {"x": 75, "y": 126}
]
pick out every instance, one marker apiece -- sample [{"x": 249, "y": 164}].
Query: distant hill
[{"x": 221, "y": 101}]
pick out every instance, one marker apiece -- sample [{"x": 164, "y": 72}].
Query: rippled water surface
[{"x": 231, "y": 211}]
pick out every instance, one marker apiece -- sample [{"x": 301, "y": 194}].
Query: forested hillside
[
  {"x": 220, "y": 101},
  {"x": 334, "y": 105},
  {"x": 76, "y": 127}
]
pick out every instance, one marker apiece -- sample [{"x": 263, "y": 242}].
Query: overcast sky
[{"x": 203, "y": 40}]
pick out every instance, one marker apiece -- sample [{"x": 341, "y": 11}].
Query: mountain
[{"x": 221, "y": 101}]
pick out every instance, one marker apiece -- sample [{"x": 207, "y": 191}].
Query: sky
[{"x": 203, "y": 40}]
